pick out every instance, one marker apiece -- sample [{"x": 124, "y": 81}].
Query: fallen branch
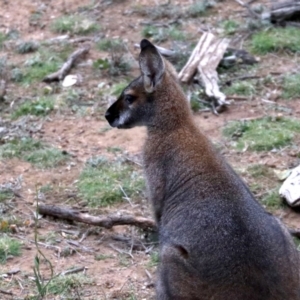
[
  {"x": 107, "y": 221},
  {"x": 64, "y": 70},
  {"x": 286, "y": 10}
]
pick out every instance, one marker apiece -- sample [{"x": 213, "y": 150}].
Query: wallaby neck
[{"x": 172, "y": 109}]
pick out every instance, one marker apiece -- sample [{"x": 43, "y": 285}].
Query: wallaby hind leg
[{"x": 176, "y": 281}]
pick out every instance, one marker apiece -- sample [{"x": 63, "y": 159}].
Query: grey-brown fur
[{"x": 216, "y": 241}]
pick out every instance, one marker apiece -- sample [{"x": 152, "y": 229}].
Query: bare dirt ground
[{"x": 115, "y": 270}]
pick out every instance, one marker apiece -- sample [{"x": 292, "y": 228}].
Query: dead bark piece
[
  {"x": 190, "y": 68},
  {"x": 3, "y": 85},
  {"x": 64, "y": 70},
  {"x": 290, "y": 189},
  {"x": 207, "y": 68},
  {"x": 283, "y": 11},
  {"x": 205, "y": 58},
  {"x": 107, "y": 221}
]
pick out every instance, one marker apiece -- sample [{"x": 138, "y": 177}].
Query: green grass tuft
[
  {"x": 117, "y": 88},
  {"x": 198, "y": 9},
  {"x": 102, "y": 256},
  {"x": 272, "y": 200},
  {"x": 8, "y": 247},
  {"x": 276, "y": 40},
  {"x": 291, "y": 86},
  {"x": 74, "y": 25},
  {"x": 40, "y": 65},
  {"x": 110, "y": 45},
  {"x": 5, "y": 195},
  {"x": 240, "y": 88},
  {"x": 262, "y": 134},
  {"x": 154, "y": 259},
  {"x": 39, "y": 107},
  {"x": 3, "y": 38},
  {"x": 159, "y": 34},
  {"x": 33, "y": 151},
  {"x": 68, "y": 285},
  {"x": 17, "y": 147},
  {"x": 46, "y": 158},
  {"x": 27, "y": 47},
  {"x": 230, "y": 27},
  {"x": 259, "y": 171},
  {"x": 101, "y": 182},
  {"x": 159, "y": 11},
  {"x": 115, "y": 66}
]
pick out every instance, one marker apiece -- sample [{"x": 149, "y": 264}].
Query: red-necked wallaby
[{"x": 216, "y": 240}]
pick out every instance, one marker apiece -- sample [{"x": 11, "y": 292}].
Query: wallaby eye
[{"x": 129, "y": 99}]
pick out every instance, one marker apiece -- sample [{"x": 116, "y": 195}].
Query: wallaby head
[{"x": 142, "y": 101}]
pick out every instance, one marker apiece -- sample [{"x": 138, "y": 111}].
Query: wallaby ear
[{"x": 152, "y": 65}]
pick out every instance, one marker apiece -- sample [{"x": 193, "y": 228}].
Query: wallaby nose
[
  {"x": 110, "y": 116},
  {"x": 107, "y": 115}
]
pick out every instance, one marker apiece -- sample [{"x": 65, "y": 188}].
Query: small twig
[
  {"x": 47, "y": 246},
  {"x": 268, "y": 101},
  {"x": 76, "y": 244},
  {"x": 80, "y": 40},
  {"x": 165, "y": 24},
  {"x": 85, "y": 235},
  {"x": 125, "y": 196},
  {"x": 6, "y": 292},
  {"x": 120, "y": 251},
  {"x": 64, "y": 70},
  {"x": 134, "y": 161},
  {"x": 73, "y": 271},
  {"x": 148, "y": 274},
  {"x": 240, "y": 98}
]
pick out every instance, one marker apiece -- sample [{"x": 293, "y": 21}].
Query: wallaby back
[{"x": 216, "y": 241}]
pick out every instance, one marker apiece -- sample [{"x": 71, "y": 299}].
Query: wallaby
[{"x": 216, "y": 241}]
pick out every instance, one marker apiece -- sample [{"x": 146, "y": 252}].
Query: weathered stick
[
  {"x": 64, "y": 70},
  {"x": 284, "y": 10},
  {"x": 190, "y": 68},
  {"x": 107, "y": 221},
  {"x": 207, "y": 68}
]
